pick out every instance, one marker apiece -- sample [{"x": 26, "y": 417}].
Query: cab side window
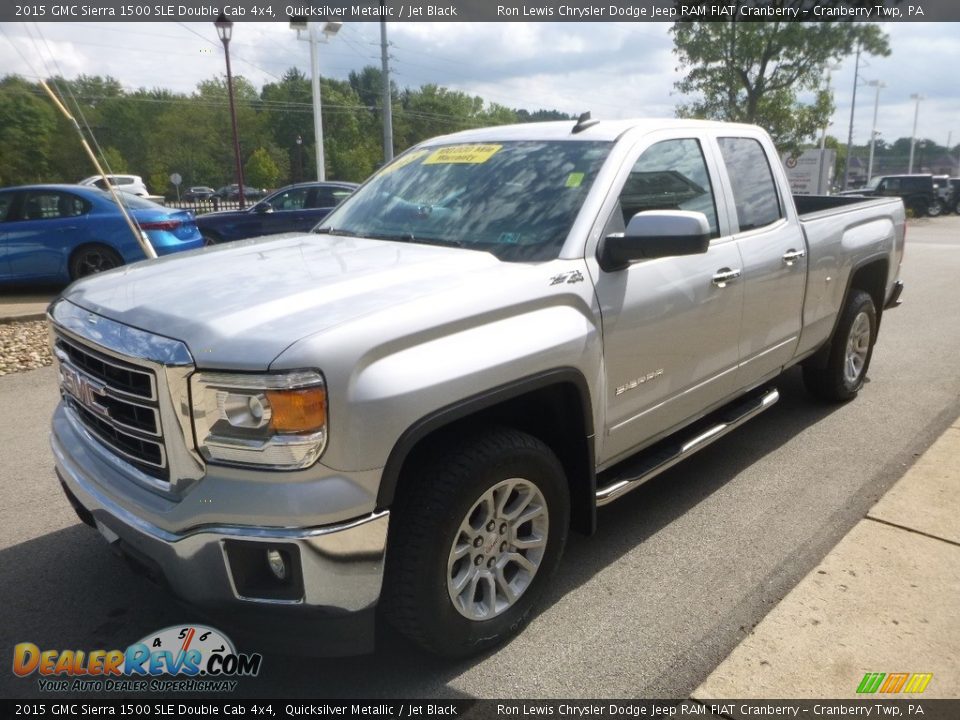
[
  {"x": 754, "y": 190},
  {"x": 48, "y": 205},
  {"x": 669, "y": 175},
  {"x": 6, "y": 202},
  {"x": 295, "y": 199}
]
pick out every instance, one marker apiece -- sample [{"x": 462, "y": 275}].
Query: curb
[{"x": 30, "y": 317}]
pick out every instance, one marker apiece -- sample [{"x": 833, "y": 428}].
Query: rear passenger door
[{"x": 773, "y": 251}]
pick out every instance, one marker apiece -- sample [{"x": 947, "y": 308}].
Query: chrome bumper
[{"x": 340, "y": 566}]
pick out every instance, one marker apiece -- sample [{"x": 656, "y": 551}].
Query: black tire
[
  {"x": 93, "y": 259},
  {"x": 833, "y": 375},
  {"x": 426, "y": 527},
  {"x": 936, "y": 208},
  {"x": 209, "y": 238}
]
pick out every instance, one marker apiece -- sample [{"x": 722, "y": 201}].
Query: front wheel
[
  {"x": 936, "y": 208},
  {"x": 478, "y": 529},
  {"x": 840, "y": 375}
]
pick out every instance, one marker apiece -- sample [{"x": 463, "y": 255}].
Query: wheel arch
[
  {"x": 869, "y": 275},
  {"x": 92, "y": 243},
  {"x": 553, "y": 406}
]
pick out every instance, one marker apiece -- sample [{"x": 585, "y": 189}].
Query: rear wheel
[
  {"x": 477, "y": 533},
  {"x": 92, "y": 259},
  {"x": 209, "y": 238},
  {"x": 842, "y": 374}
]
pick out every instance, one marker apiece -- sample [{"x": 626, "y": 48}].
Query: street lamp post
[
  {"x": 225, "y": 31},
  {"x": 823, "y": 139},
  {"x": 873, "y": 130},
  {"x": 329, "y": 29},
  {"x": 913, "y": 137}
]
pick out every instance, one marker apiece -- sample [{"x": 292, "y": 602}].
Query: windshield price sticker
[
  {"x": 403, "y": 161},
  {"x": 463, "y": 154}
]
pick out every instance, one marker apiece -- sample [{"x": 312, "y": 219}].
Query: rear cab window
[{"x": 754, "y": 189}]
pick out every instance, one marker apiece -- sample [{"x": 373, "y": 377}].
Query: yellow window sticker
[
  {"x": 463, "y": 154},
  {"x": 403, "y": 161},
  {"x": 574, "y": 179}
]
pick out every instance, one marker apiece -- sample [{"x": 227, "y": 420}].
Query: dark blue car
[
  {"x": 58, "y": 233},
  {"x": 295, "y": 208}
]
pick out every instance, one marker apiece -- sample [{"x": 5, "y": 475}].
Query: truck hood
[{"x": 239, "y": 305}]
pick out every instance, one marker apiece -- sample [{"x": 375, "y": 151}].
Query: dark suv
[
  {"x": 952, "y": 194},
  {"x": 918, "y": 192}
]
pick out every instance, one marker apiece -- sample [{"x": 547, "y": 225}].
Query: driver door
[{"x": 671, "y": 329}]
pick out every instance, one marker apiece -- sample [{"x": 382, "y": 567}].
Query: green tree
[
  {"x": 757, "y": 72},
  {"x": 261, "y": 171},
  {"x": 28, "y": 124}
]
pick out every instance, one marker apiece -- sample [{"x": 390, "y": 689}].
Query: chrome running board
[{"x": 669, "y": 452}]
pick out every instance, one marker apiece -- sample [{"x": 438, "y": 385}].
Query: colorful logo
[
  {"x": 894, "y": 683},
  {"x": 193, "y": 652}
]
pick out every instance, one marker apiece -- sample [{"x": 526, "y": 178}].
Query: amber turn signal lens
[{"x": 298, "y": 411}]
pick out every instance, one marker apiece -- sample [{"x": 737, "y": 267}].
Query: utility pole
[
  {"x": 873, "y": 130},
  {"x": 913, "y": 137},
  {"x": 853, "y": 107},
  {"x": 387, "y": 96}
]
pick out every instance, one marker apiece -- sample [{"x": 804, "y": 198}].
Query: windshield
[
  {"x": 872, "y": 185},
  {"x": 516, "y": 200}
]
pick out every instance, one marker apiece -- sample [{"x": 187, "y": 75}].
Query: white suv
[{"x": 132, "y": 184}]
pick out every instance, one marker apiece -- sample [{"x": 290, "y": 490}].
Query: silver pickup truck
[{"x": 400, "y": 415}]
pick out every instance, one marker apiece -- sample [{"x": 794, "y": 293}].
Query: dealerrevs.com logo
[
  {"x": 192, "y": 658},
  {"x": 894, "y": 683}
]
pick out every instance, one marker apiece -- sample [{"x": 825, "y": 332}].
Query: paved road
[{"x": 680, "y": 570}]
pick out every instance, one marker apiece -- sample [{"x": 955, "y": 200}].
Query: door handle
[
  {"x": 725, "y": 275},
  {"x": 791, "y": 256}
]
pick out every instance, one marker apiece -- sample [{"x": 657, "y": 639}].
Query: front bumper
[{"x": 335, "y": 571}]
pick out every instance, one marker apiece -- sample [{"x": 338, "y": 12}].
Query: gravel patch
[{"x": 24, "y": 346}]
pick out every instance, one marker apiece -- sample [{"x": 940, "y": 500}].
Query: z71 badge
[{"x": 569, "y": 277}]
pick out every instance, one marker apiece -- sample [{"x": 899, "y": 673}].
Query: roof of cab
[{"x": 604, "y": 130}]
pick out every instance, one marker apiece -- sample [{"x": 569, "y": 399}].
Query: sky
[{"x": 615, "y": 70}]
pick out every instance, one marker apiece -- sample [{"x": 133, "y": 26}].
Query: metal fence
[{"x": 199, "y": 207}]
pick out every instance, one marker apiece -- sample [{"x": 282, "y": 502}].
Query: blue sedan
[
  {"x": 295, "y": 208},
  {"x": 58, "y": 233}
]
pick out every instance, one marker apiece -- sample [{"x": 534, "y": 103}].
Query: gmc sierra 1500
[{"x": 405, "y": 410}]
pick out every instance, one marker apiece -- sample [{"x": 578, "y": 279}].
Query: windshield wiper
[{"x": 334, "y": 231}]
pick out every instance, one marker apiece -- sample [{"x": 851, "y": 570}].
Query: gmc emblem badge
[{"x": 84, "y": 389}]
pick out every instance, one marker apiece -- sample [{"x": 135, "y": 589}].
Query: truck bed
[{"x": 842, "y": 233}]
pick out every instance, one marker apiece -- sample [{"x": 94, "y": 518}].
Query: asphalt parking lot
[{"x": 678, "y": 573}]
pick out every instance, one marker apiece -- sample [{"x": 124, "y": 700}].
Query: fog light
[{"x": 278, "y": 565}]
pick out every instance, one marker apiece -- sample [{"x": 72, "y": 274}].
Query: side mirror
[
  {"x": 263, "y": 207},
  {"x": 653, "y": 234}
]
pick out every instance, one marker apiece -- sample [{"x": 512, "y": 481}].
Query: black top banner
[{"x": 483, "y": 10}]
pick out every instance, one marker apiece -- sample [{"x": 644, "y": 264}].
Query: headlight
[{"x": 278, "y": 420}]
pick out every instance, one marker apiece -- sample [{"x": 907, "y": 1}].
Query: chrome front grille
[{"x": 117, "y": 402}]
